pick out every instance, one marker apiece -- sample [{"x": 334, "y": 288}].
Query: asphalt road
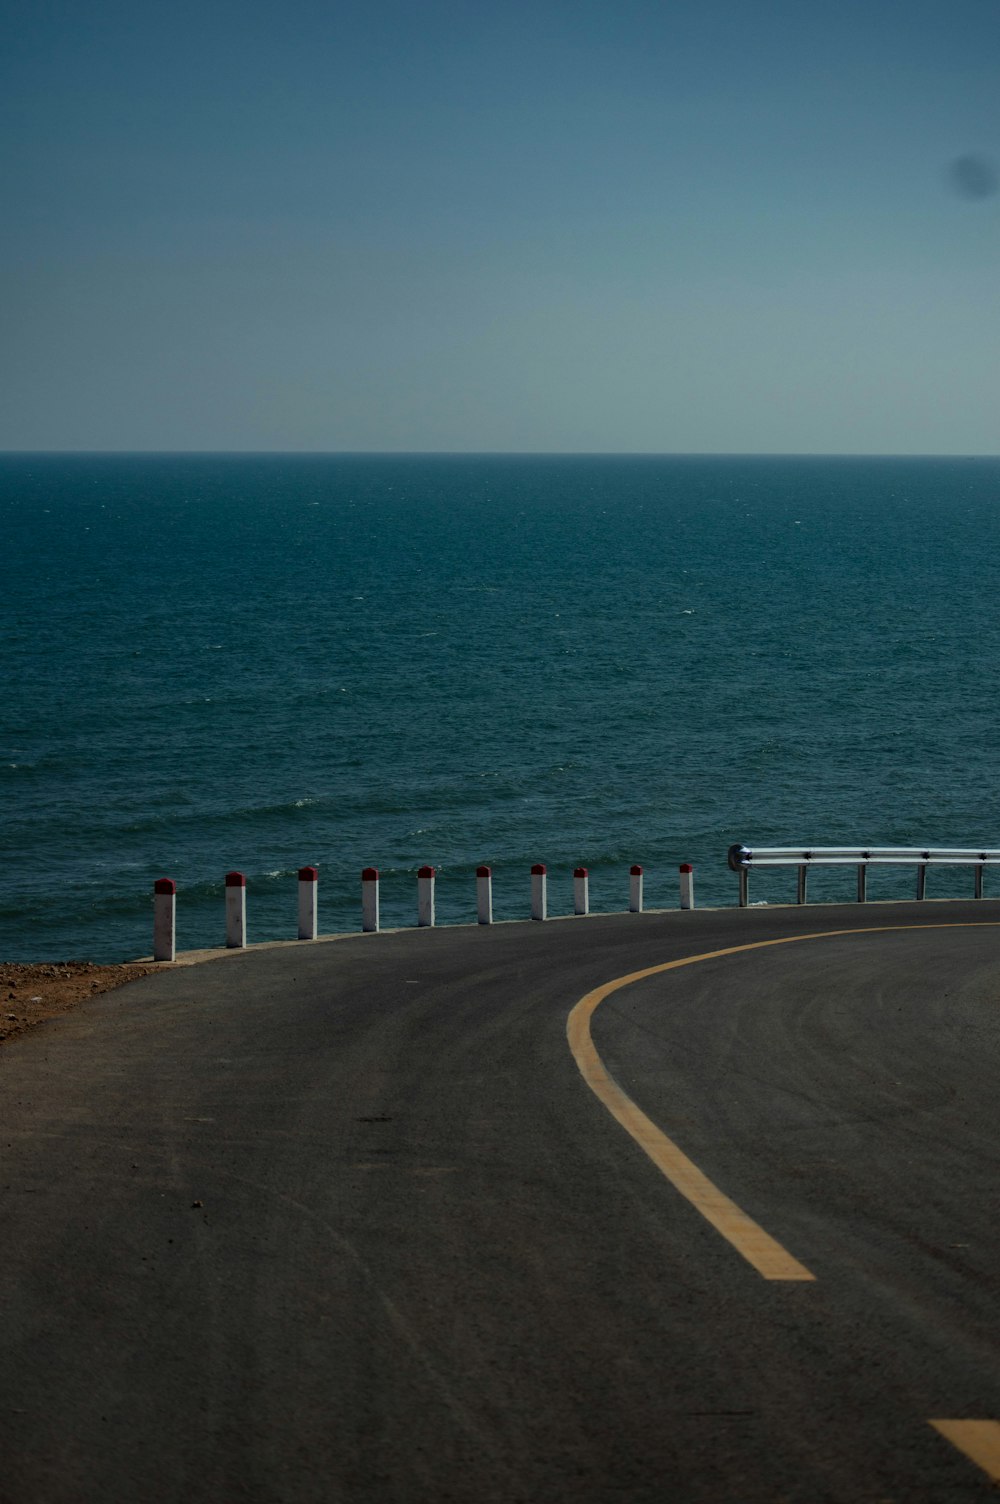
[{"x": 345, "y": 1221}]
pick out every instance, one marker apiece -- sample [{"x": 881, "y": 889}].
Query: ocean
[{"x": 265, "y": 661}]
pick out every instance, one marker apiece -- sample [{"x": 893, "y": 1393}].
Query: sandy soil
[{"x": 31, "y": 993}]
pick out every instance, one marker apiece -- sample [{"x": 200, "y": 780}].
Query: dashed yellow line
[
  {"x": 978, "y": 1439},
  {"x": 766, "y": 1255}
]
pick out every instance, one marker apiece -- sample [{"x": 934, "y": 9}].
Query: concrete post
[
  {"x": 164, "y": 919},
  {"x": 369, "y": 899},
  {"x": 635, "y": 890},
  {"x": 539, "y": 892},
  {"x": 687, "y": 885},
  {"x": 236, "y": 911},
  {"x": 581, "y": 891},
  {"x": 308, "y": 886},
  {"x": 425, "y": 897},
  {"x": 484, "y": 895}
]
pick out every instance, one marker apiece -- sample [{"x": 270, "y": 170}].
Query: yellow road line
[
  {"x": 978, "y": 1439},
  {"x": 766, "y": 1255}
]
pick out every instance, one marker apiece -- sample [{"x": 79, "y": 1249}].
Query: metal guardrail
[{"x": 743, "y": 858}]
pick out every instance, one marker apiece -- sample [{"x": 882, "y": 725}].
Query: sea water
[{"x": 265, "y": 661}]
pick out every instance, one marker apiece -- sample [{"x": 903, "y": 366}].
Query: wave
[{"x": 247, "y": 814}]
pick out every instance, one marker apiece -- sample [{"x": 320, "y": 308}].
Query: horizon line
[{"x": 706, "y": 454}]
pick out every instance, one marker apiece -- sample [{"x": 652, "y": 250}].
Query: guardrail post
[
  {"x": 236, "y": 911},
  {"x": 635, "y": 890},
  {"x": 425, "y": 897},
  {"x": 164, "y": 919},
  {"x": 737, "y": 863},
  {"x": 800, "y": 896},
  {"x": 369, "y": 900},
  {"x": 581, "y": 890},
  {"x": 862, "y": 881},
  {"x": 922, "y": 880},
  {"x": 979, "y": 882},
  {"x": 539, "y": 892},
  {"x": 744, "y": 887},
  {"x": 484, "y": 895},
  {"x": 687, "y": 885},
  {"x": 308, "y": 886}
]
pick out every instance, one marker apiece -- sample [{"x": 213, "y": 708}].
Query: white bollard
[
  {"x": 425, "y": 897},
  {"x": 369, "y": 899},
  {"x": 484, "y": 895},
  {"x": 635, "y": 890},
  {"x": 236, "y": 911},
  {"x": 308, "y": 886},
  {"x": 581, "y": 891},
  {"x": 164, "y": 919},
  {"x": 687, "y": 885},
  {"x": 539, "y": 892}
]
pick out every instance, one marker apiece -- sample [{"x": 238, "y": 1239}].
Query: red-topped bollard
[
  {"x": 308, "y": 908},
  {"x": 484, "y": 895},
  {"x": 539, "y": 892},
  {"x": 164, "y": 919},
  {"x": 635, "y": 890},
  {"x": 581, "y": 891},
  {"x": 687, "y": 885},
  {"x": 425, "y": 897},
  {"x": 236, "y": 911},
  {"x": 369, "y": 899}
]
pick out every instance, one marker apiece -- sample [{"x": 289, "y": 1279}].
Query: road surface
[{"x": 355, "y": 1220}]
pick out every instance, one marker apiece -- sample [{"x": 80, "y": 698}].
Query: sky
[{"x": 570, "y": 225}]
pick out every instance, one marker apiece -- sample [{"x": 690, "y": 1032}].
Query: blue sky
[{"x": 558, "y": 226}]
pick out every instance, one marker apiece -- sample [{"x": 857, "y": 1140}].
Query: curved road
[{"x": 348, "y": 1221}]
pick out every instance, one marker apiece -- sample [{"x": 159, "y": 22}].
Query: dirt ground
[{"x": 30, "y": 993}]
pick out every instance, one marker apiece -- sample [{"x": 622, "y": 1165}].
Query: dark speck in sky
[{"x": 973, "y": 177}]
